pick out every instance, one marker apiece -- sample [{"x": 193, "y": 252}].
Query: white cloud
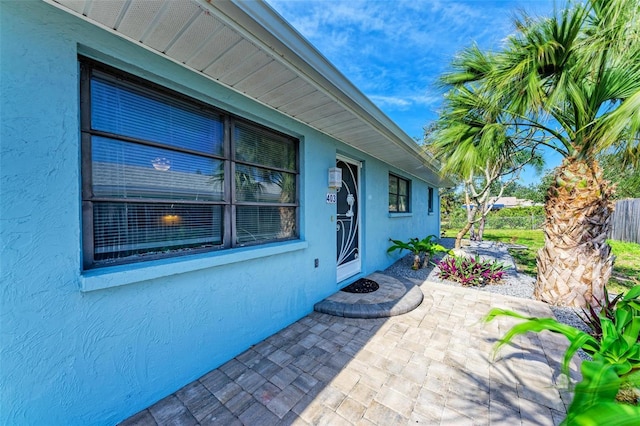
[
  {"x": 403, "y": 103},
  {"x": 395, "y": 50},
  {"x": 392, "y": 101}
]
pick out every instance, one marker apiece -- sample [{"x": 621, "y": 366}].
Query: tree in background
[
  {"x": 571, "y": 83},
  {"x": 450, "y": 203},
  {"x": 475, "y": 148},
  {"x": 531, "y": 192},
  {"x": 625, "y": 177}
]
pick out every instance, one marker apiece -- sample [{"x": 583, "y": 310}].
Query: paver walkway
[{"x": 430, "y": 366}]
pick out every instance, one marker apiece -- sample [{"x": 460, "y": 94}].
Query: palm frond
[
  {"x": 472, "y": 64},
  {"x": 620, "y": 128},
  {"x": 577, "y": 338}
]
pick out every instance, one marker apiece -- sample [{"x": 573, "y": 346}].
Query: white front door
[{"x": 348, "y": 220}]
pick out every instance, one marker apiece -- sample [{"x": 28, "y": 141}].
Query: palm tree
[
  {"x": 570, "y": 83},
  {"x": 473, "y": 144}
]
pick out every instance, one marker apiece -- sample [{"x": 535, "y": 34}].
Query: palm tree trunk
[
  {"x": 576, "y": 261},
  {"x": 287, "y": 214}
]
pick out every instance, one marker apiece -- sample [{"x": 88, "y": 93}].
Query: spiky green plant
[
  {"x": 594, "y": 402},
  {"x": 615, "y": 354},
  {"x": 569, "y": 83},
  {"x": 426, "y": 246}
]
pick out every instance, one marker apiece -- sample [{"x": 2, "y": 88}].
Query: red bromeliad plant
[
  {"x": 605, "y": 308},
  {"x": 471, "y": 271}
]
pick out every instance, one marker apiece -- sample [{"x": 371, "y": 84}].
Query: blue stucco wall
[{"x": 73, "y": 356}]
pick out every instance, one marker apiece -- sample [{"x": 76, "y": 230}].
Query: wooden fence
[{"x": 625, "y": 221}]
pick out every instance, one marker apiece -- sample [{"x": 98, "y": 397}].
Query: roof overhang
[{"x": 249, "y": 48}]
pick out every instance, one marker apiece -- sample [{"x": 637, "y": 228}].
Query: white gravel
[{"x": 515, "y": 284}]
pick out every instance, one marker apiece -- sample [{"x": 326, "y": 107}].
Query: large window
[
  {"x": 398, "y": 194},
  {"x": 164, "y": 175}
]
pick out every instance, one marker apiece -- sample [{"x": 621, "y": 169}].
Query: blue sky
[{"x": 394, "y": 50}]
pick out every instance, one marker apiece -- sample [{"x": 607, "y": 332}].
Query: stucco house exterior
[{"x": 180, "y": 180}]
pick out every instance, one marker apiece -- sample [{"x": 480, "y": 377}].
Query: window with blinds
[
  {"x": 398, "y": 194},
  {"x": 165, "y": 175}
]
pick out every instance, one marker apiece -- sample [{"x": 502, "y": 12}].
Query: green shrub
[
  {"x": 594, "y": 401},
  {"x": 616, "y": 360},
  {"x": 426, "y": 246},
  {"x": 519, "y": 212}
]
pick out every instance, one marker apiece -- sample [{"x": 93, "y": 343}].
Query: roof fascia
[{"x": 264, "y": 26}]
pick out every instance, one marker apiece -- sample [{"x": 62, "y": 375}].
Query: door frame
[{"x": 353, "y": 267}]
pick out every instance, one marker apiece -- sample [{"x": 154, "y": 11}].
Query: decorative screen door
[{"x": 348, "y": 220}]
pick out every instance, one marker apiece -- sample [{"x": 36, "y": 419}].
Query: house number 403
[{"x": 331, "y": 198}]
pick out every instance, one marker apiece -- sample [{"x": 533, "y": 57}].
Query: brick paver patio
[{"x": 430, "y": 366}]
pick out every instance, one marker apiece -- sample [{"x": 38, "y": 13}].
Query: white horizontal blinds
[
  {"x": 155, "y": 180},
  {"x": 121, "y": 108},
  {"x": 123, "y": 230},
  {"x": 261, "y": 223},
  {"x": 156, "y": 184},
  {"x": 256, "y": 146},
  {"x": 265, "y": 173},
  {"x": 257, "y": 184},
  {"x": 129, "y": 170}
]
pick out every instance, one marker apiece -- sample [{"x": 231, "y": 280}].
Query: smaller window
[
  {"x": 398, "y": 194},
  {"x": 430, "y": 202}
]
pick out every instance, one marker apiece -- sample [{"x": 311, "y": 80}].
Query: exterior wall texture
[{"x": 94, "y": 348}]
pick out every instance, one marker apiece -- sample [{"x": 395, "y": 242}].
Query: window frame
[
  {"x": 400, "y": 180},
  {"x": 430, "y": 199},
  {"x": 229, "y": 201}
]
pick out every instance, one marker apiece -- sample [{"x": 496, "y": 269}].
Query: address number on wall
[{"x": 331, "y": 198}]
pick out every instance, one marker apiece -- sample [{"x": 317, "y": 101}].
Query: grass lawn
[{"x": 625, "y": 269}]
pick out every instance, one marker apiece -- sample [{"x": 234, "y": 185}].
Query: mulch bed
[{"x": 363, "y": 285}]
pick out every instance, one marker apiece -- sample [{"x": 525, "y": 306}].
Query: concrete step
[{"x": 396, "y": 296}]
